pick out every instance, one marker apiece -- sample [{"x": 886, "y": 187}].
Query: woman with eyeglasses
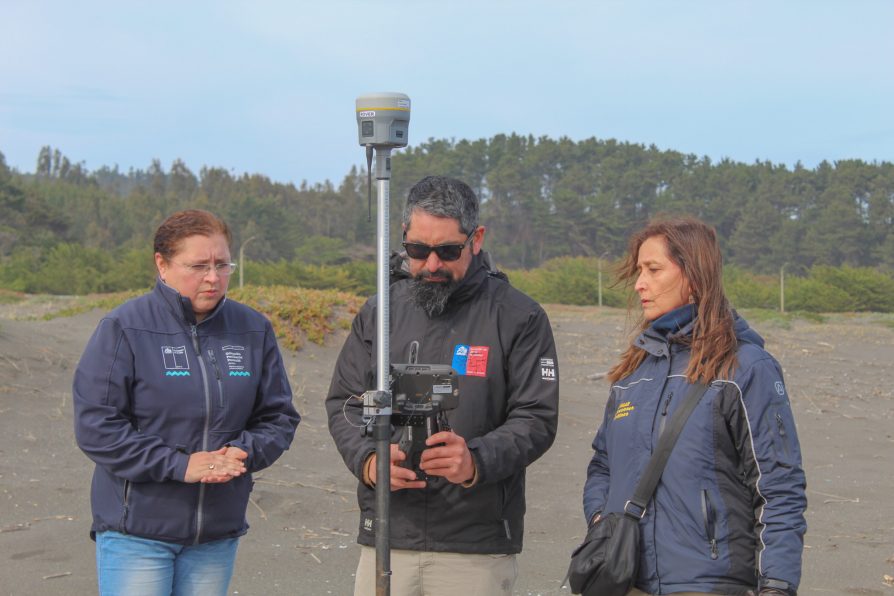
[{"x": 179, "y": 397}]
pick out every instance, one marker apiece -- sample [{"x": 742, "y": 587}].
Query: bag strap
[{"x": 645, "y": 488}]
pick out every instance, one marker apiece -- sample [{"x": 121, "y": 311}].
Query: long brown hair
[{"x": 692, "y": 245}]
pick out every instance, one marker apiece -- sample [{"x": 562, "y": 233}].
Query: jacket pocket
[
  {"x": 221, "y": 400},
  {"x": 778, "y": 426},
  {"x": 122, "y": 525},
  {"x": 709, "y": 515}
]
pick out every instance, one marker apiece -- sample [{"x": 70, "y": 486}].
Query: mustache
[{"x": 441, "y": 273}]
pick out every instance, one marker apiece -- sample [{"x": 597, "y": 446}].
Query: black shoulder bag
[{"x": 607, "y": 562}]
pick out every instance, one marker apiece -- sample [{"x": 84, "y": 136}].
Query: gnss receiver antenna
[{"x": 383, "y": 121}]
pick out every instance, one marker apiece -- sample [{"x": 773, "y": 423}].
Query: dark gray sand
[{"x": 303, "y": 513}]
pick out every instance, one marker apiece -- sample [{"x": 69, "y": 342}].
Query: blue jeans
[{"x": 134, "y": 566}]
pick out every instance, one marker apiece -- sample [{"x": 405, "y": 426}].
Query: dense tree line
[
  {"x": 541, "y": 199},
  {"x": 544, "y": 198}
]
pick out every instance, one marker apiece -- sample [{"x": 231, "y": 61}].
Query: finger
[
  {"x": 440, "y": 467},
  {"x": 223, "y": 474},
  {"x": 431, "y": 464},
  {"x": 236, "y": 453},
  {"x": 438, "y": 452},
  {"x": 213, "y": 480},
  {"x": 226, "y": 467},
  {"x": 213, "y": 477},
  {"x": 399, "y": 473},
  {"x": 445, "y": 436},
  {"x": 401, "y": 484},
  {"x": 233, "y": 462},
  {"x": 220, "y": 480},
  {"x": 453, "y": 452}
]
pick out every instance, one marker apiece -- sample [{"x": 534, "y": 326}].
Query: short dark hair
[
  {"x": 444, "y": 197},
  {"x": 183, "y": 224}
]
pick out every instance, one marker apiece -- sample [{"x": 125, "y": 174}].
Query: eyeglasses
[
  {"x": 445, "y": 252},
  {"x": 203, "y": 269}
]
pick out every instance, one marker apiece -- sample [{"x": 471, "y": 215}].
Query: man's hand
[
  {"x": 214, "y": 466},
  {"x": 400, "y": 477},
  {"x": 449, "y": 457}
]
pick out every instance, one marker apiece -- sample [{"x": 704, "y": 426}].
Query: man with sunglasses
[{"x": 457, "y": 529}]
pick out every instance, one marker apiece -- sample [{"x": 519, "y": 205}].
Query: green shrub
[
  {"x": 70, "y": 269},
  {"x": 346, "y": 278},
  {"x": 868, "y": 289},
  {"x": 747, "y": 290},
  {"x": 17, "y": 270},
  {"x": 812, "y": 295},
  {"x": 321, "y": 250},
  {"x": 569, "y": 280}
]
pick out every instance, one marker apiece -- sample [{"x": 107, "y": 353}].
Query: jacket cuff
[
  {"x": 180, "y": 465},
  {"x": 480, "y": 476},
  {"x": 768, "y": 585},
  {"x": 474, "y": 480},
  {"x": 243, "y": 447},
  {"x": 365, "y": 475}
]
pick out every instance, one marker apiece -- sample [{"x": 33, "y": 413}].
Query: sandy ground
[{"x": 304, "y": 514}]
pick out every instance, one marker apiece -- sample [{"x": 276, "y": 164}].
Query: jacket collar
[
  {"x": 181, "y": 306},
  {"x": 667, "y": 328},
  {"x": 471, "y": 281},
  {"x": 656, "y": 340}
]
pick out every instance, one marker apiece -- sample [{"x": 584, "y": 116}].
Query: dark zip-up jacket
[
  {"x": 728, "y": 513},
  {"x": 501, "y": 343},
  {"x": 154, "y": 386}
]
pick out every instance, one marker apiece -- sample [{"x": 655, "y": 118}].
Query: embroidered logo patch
[
  {"x": 624, "y": 410},
  {"x": 780, "y": 389},
  {"x": 470, "y": 360},
  {"x": 547, "y": 369},
  {"x": 175, "y": 361},
  {"x": 235, "y": 356}
]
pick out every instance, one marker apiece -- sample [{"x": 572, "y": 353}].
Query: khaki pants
[
  {"x": 635, "y": 592},
  {"x": 417, "y": 573}
]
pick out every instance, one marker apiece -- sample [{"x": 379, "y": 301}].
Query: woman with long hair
[{"x": 727, "y": 516}]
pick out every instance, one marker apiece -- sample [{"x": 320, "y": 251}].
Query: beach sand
[{"x": 303, "y": 512}]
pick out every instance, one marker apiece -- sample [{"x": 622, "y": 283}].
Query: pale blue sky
[{"x": 269, "y": 87}]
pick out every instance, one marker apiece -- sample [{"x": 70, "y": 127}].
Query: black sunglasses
[{"x": 445, "y": 252}]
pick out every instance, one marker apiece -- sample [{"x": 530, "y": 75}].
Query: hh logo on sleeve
[{"x": 547, "y": 369}]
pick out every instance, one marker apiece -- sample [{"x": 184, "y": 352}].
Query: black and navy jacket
[
  {"x": 154, "y": 386},
  {"x": 501, "y": 345},
  {"x": 728, "y": 513}
]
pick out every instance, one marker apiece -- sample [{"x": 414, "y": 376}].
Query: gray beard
[{"x": 431, "y": 296}]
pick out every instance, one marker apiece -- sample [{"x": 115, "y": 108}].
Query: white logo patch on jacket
[{"x": 547, "y": 369}]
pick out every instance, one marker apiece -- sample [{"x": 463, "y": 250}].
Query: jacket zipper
[
  {"x": 123, "y": 528},
  {"x": 780, "y": 425},
  {"x": 664, "y": 413},
  {"x": 708, "y": 514},
  {"x": 220, "y": 399},
  {"x": 201, "y": 502}
]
